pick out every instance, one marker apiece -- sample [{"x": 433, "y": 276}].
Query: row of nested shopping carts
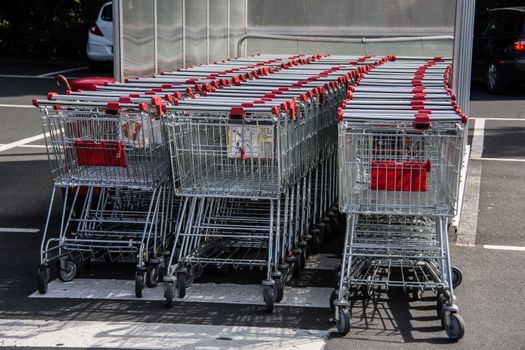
[
  {"x": 401, "y": 137},
  {"x": 234, "y": 165}
]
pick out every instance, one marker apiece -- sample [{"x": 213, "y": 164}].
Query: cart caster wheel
[
  {"x": 456, "y": 327},
  {"x": 315, "y": 242},
  {"x": 181, "y": 284},
  {"x": 296, "y": 268},
  {"x": 169, "y": 291},
  {"x": 152, "y": 275},
  {"x": 322, "y": 233},
  {"x": 269, "y": 298},
  {"x": 457, "y": 277},
  {"x": 326, "y": 229},
  {"x": 343, "y": 323},
  {"x": 333, "y": 297},
  {"x": 43, "y": 279},
  {"x": 139, "y": 284},
  {"x": 67, "y": 270},
  {"x": 302, "y": 259},
  {"x": 278, "y": 290}
]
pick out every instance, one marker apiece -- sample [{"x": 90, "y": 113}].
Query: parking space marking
[
  {"x": 504, "y": 247},
  {"x": 145, "y": 335},
  {"x": 502, "y": 119},
  {"x": 60, "y": 72},
  {"x": 502, "y": 159},
  {"x": 223, "y": 293},
  {"x": 469, "y": 213},
  {"x": 478, "y": 138},
  {"x": 18, "y": 143},
  {"x": 22, "y": 76},
  {"x": 29, "y": 146},
  {"x": 18, "y": 230},
  {"x": 16, "y": 106}
]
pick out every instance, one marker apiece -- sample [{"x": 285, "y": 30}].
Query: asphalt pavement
[{"x": 491, "y": 297}]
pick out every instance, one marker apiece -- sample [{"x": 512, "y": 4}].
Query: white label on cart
[{"x": 255, "y": 140}]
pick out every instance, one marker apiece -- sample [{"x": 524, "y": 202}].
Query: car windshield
[{"x": 107, "y": 13}]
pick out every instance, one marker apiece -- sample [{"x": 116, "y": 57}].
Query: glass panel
[
  {"x": 218, "y": 30},
  {"x": 195, "y": 32},
  {"x": 169, "y": 34},
  {"x": 138, "y": 35}
]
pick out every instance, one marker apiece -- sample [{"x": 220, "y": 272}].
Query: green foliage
[{"x": 46, "y": 29}]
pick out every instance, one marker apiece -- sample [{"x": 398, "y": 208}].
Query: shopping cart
[
  {"x": 400, "y": 151},
  {"x": 245, "y": 158},
  {"x": 110, "y": 160},
  {"x": 114, "y": 156}
]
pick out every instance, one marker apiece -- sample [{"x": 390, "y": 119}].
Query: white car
[{"x": 100, "y": 38}]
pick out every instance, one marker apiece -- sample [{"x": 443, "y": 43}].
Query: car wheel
[{"x": 494, "y": 79}]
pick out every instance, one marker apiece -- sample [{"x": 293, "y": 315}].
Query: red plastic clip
[
  {"x": 237, "y": 112},
  {"x": 113, "y": 108},
  {"x": 422, "y": 121}
]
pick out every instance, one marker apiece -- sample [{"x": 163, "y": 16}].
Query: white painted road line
[
  {"x": 18, "y": 230},
  {"x": 17, "y": 106},
  {"x": 462, "y": 183},
  {"x": 60, "y": 72},
  {"x": 141, "y": 335},
  {"x": 22, "y": 76},
  {"x": 502, "y": 119},
  {"x": 504, "y": 247},
  {"x": 469, "y": 214},
  {"x": 477, "y": 140},
  {"x": 29, "y": 146},
  {"x": 502, "y": 159},
  {"x": 225, "y": 293},
  {"x": 22, "y": 142}
]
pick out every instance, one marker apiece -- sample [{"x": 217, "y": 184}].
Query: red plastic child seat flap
[
  {"x": 105, "y": 153},
  {"x": 399, "y": 176}
]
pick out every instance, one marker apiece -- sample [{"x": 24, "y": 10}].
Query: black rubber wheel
[
  {"x": 302, "y": 259},
  {"x": 169, "y": 291},
  {"x": 333, "y": 297},
  {"x": 457, "y": 277},
  {"x": 43, "y": 280},
  {"x": 67, "y": 270},
  {"x": 343, "y": 323},
  {"x": 152, "y": 275},
  {"x": 494, "y": 79},
  {"x": 456, "y": 328},
  {"x": 139, "y": 284},
  {"x": 322, "y": 233},
  {"x": 327, "y": 230},
  {"x": 181, "y": 284},
  {"x": 269, "y": 298},
  {"x": 278, "y": 290},
  {"x": 296, "y": 268},
  {"x": 315, "y": 242}
]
